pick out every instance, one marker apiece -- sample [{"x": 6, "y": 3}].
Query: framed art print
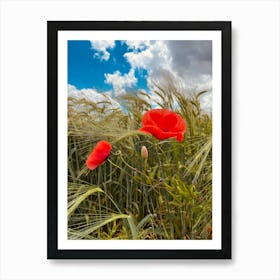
[{"x": 139, "y": 140}]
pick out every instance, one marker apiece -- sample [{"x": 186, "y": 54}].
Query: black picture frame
[{"x": 52, "y": 131}]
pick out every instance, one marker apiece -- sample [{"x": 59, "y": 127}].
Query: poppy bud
[{"x": 144, "y": 152}]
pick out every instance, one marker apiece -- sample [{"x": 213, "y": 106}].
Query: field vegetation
[{"x": 167, "y": 195}]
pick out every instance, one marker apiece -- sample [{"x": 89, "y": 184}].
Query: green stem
[
  {"x": 135, "y": 169},
  {"x": 145, "y": 165}
]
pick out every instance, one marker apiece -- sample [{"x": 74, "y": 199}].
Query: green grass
[{"x": 168, "y": 196}]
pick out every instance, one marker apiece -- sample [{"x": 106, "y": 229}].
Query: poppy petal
[
  {"x": 91, "y": 166},
  {"x": 163, "y": 124},
  {"x": 99, "y": 154},
  {"x": 158, "y": 133}
]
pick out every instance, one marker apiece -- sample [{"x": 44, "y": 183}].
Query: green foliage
[{"x": 167, "y": 196}]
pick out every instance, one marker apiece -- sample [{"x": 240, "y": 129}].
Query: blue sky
[
  {"x": 87, "y": 70},
  {"x": 114, "y": 68}
]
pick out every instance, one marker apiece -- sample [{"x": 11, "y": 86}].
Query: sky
[{"x": 112, "y": 67}]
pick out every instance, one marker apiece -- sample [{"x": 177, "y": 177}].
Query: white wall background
[{"x": 255, "y": 195}]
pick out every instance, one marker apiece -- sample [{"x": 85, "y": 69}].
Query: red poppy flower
[
  {"x": 163, "y": 124},
  {"x": 99, "y": 154}
]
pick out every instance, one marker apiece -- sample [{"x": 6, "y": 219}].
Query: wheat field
[{"x": 165, "y": 196}]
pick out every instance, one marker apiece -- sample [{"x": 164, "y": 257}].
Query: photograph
[
  {"x": 139, "y": 140},
  {"x": 139, "y": 116}
]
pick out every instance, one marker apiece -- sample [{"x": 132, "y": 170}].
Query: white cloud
[
  {"x": 71, "y": 89},
  {"x": 153, "y": 57},
  {"x": 141, "y": 56},
  {"x": 136, "y": 45},
  {"x": 101, "y": 48},
  {"x": 121, "y": 82},
  {"x": 157, "y": 59},
  {"x": 92, "y": 95},
  {"x": 189, "y": 62}
]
